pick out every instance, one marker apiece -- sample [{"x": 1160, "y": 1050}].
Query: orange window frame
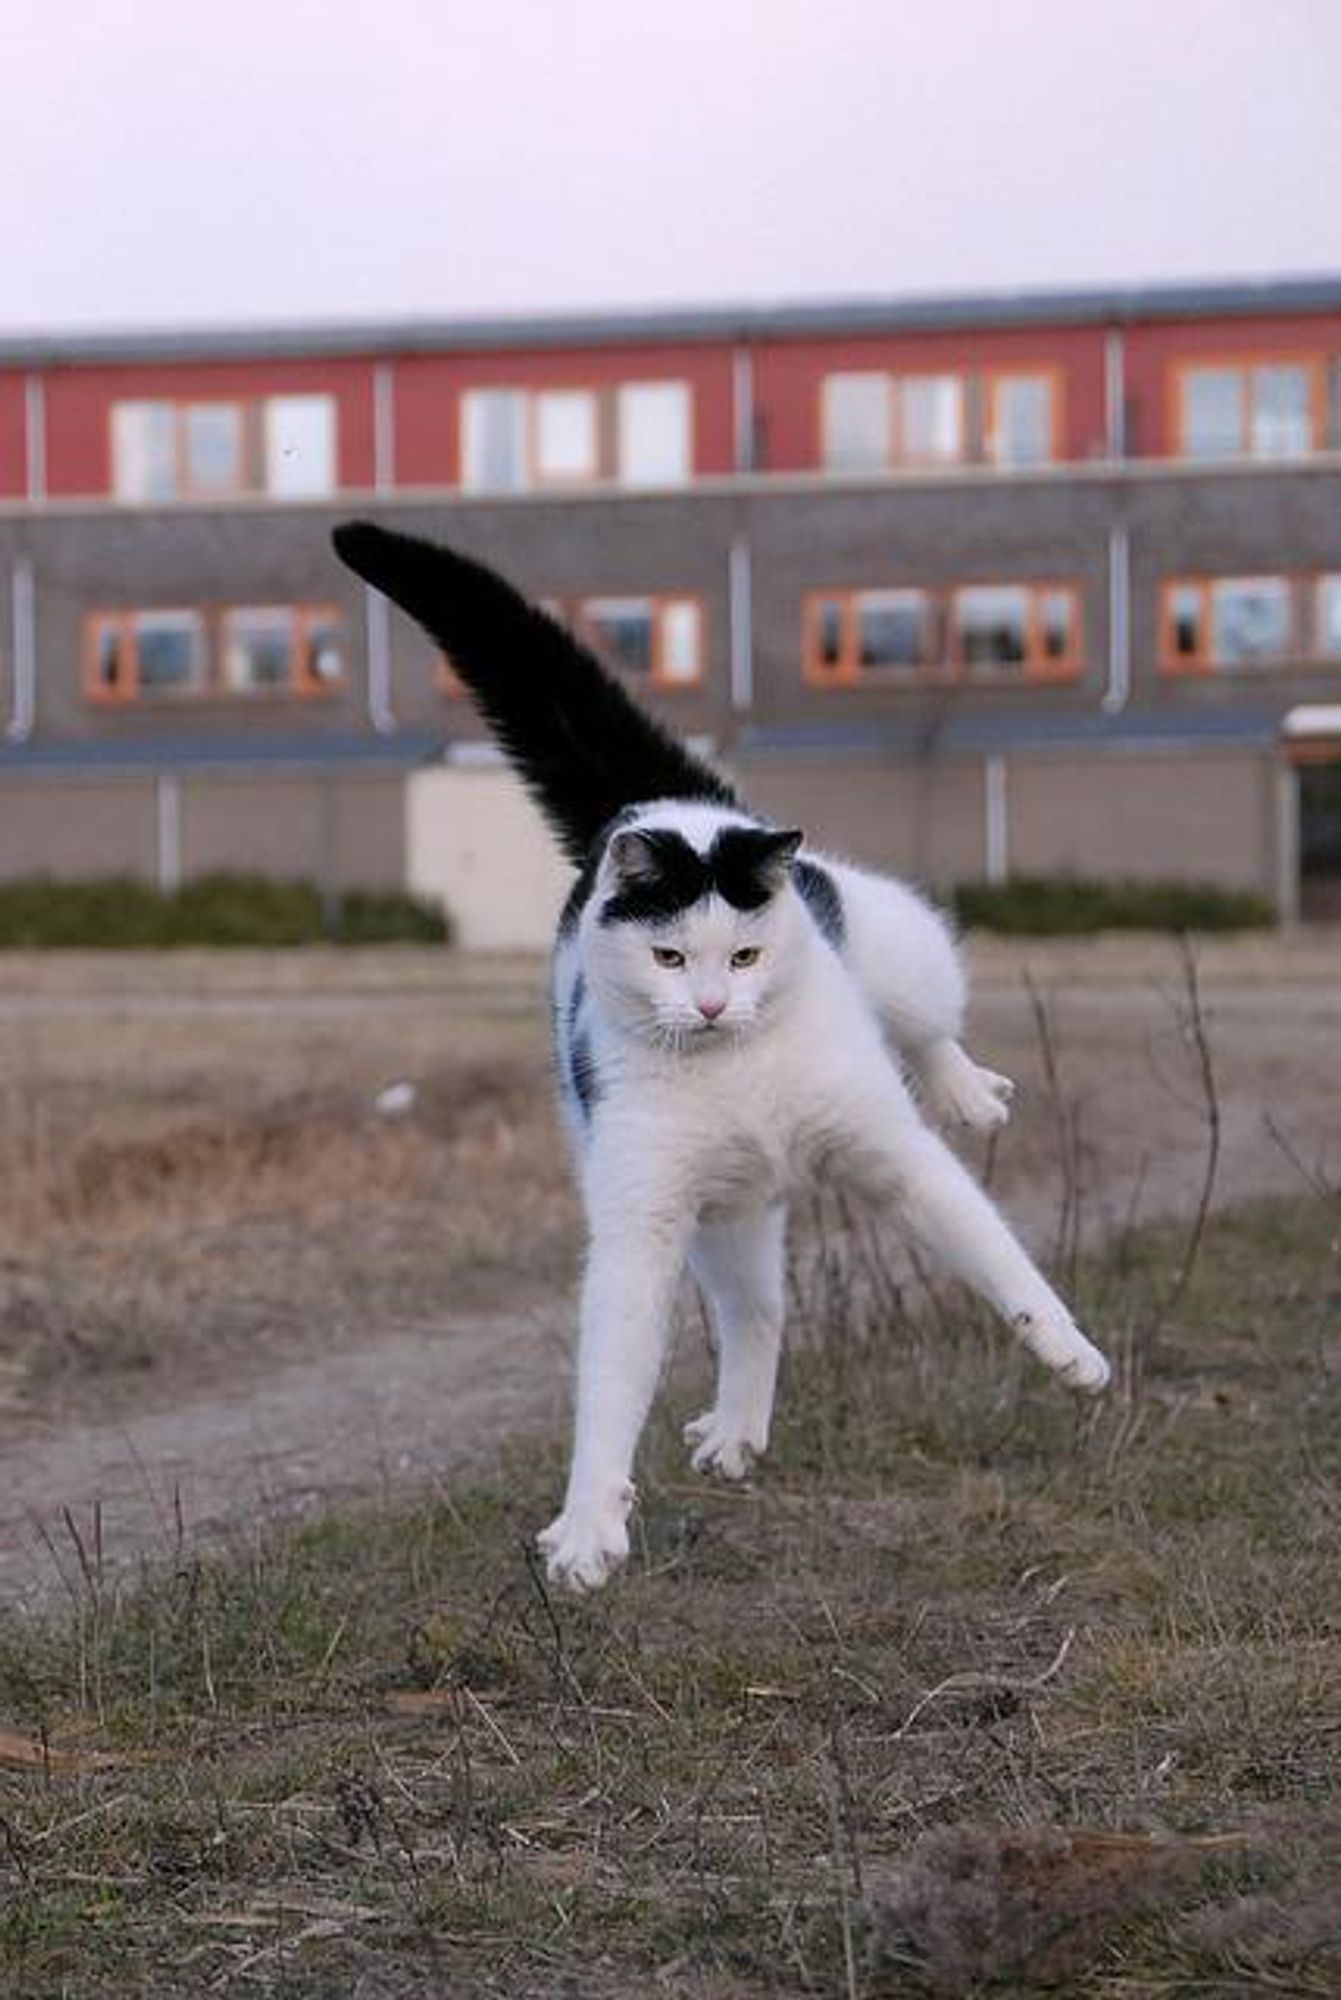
[
  {"x": 569, "y": 612},
  {"x": 606, "y": 419},
  {"x": 1205, "y": 660},
  {"x": 1037, "y": 665},
  {"x": 815, "y": 670},
  {"x": 302, "y": 682},
  {"x": 1311, "y": 361},
  {"x": 211, "y": 621},
  {"x": 122, "y": 621},
  {"x": 951, "y": 666},
  {"x": 658, "y": 601}
]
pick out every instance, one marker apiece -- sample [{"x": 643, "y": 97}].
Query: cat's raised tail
[{"x": 583, "y": 748}]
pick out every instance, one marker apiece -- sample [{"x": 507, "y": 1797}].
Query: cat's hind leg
[
  {"x": 739, "y": 1268},
  {"x": 900, "y": 1159}
]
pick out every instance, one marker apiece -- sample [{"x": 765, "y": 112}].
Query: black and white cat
[{"x": 736, "y": 1018}]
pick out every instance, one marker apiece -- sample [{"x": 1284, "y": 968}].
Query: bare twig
[
  {"x": 1066, "y": 1252},
  {"x": 971, "y": 1683},
  {"x": 1194, "y": 1023}
]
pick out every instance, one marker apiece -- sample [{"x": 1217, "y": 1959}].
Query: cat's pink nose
[{"x": 711, "y": 1005}]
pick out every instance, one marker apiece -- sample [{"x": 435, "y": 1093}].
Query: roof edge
[{"x": 1120, "y": 305}]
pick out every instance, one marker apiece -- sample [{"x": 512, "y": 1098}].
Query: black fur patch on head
[
  {"x": 819, "y": 892},
  {"x": 661, "y": 875}
]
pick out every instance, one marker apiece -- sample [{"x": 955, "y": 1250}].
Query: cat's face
[{"x": 691, "y": 944}]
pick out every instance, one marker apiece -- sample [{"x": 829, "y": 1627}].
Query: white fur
[{"x": 704, "y": 1129}]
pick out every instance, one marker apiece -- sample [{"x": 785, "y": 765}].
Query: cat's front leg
[{"x": 638, "y": 1241}]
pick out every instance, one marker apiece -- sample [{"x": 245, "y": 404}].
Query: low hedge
[
  {"x": 119, "y": 912},
  {"x": 1066, "y": 905}
]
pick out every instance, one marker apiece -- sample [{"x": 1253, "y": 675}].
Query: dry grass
[
  {"x": 973, "y": 1690},
  {"x": 191, "y": 1189}
]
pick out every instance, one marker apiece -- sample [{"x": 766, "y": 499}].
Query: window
[
  {"x": 872, "y": 422},
  {"x": 565, "y": 436},
  {"x": 157, "y": 653},
  {"x": 657, "y": 638},
  {"x": 279, "y": 647},
  {"x": 1212, "y": 413},
  {"x": 299, "y": 446},
  {"x": 1227, "y": 622},
  {"x": 280, "y": 445},
  {"x": 513, "y": 440},
  {"x": 991, "y": 625},
  {"x": 1266, "y": 409},
  {"x": 1020, "y": 631},
  {"x": 857, "y": 423},
  {"x": 493, "y": 441},
  {"x": 1250, "y": 620},
  {"x": 215, "y": 449},
  {"x": 1020, "y": 419},
  {"x": 1327, "y": 617},
  {"x": 245, "y": 650},
  {"x": 144, "y": 451},
  {"x": 931, "y": 420},
  {"x": 893, "y": 630},
  {"x": 653, "y": 441},
  {"x": 1279, "y": 413}
]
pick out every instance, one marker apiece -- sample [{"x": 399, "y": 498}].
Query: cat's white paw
[
  {"x": 719, "y": 1446},
  {"x": 1089, "y": 1370},
  {"x": 1058, "y": 1342},
  {"x": 975, "y": 1096},
  {"x": 584, "y": 1546}
]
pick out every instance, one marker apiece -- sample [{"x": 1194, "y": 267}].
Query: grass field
[{"x": 973, "y": 1689}]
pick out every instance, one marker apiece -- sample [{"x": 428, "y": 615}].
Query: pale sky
[{"x": 164, "y": 163}]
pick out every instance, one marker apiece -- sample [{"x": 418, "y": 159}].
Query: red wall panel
[
  {"x": 13, "y": 458},
  {"x": 429, "y": 386},
  {"x": 79, "y": 408}
]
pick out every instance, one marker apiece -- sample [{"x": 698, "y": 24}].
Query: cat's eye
[
  {"x": 747, "y": 955},
  {"x": 665, "y": 956}
]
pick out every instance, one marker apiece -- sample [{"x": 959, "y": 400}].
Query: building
[{"x": 972, "y": 587}]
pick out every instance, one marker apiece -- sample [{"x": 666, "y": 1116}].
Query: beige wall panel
[
  {"x": 70, "y": 828},
  {"x": 478, "y": 845},
  {"x": 923, "y": 819},
  {"x": 346, "y": 832},
  {"x": 1206, "y": 818}
]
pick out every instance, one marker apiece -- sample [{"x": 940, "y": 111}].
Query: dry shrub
[{"x": 974, "y": 1904}]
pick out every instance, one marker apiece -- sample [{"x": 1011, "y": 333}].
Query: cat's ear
[
  {"x": 764, "y": 855},
  {"x": 777, "y": 853},
  {"x": 632, "y": 857}
]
